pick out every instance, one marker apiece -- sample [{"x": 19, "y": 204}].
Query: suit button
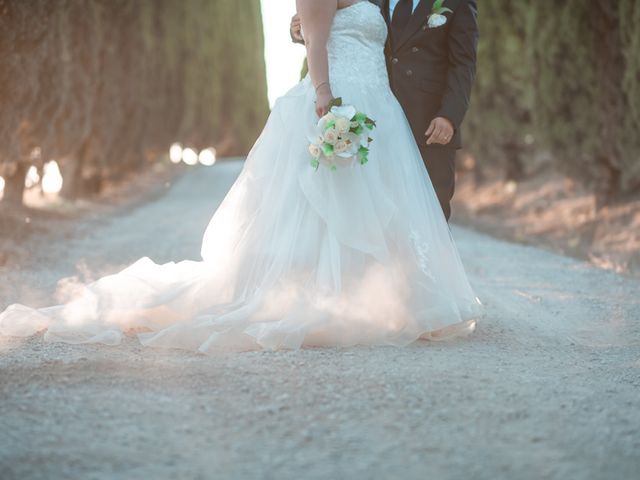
[
  {"x": 394, "y": 60},
  {"x": 415, "y": 49},
  {"x": 409, "y": 73}
]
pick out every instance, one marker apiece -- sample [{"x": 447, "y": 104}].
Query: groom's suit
[{"x": 431, "y": 71}]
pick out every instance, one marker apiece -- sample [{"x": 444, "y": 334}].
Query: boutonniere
[{"x": 437, "y": 18}]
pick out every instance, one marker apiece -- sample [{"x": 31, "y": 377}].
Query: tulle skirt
[{"x": 293, "y": 256}]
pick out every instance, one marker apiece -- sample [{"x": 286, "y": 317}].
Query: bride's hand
[{"x": 323, "y": 99}]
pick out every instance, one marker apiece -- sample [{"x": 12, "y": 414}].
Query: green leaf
[
  {"x": 333, "y": 168},
  {"x": 363, "y": 155},
  {"x": 437, "y": 5},
  {"x": 330, "y": 124},
  {"x": 359, "y": 117},
  {"x": 315, "y": 163},
  {"x": 442, "y": 10},
  {"x": 327, "y": 149},
  {"x": 358, "y": 130},
  {"x": 336, "y": 102}
]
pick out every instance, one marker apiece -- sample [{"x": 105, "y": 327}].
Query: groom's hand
[
  {"x": 440, "y": 131},
  {"x": 295, "y": 30}
]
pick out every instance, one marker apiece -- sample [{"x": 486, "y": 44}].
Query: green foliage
[
  {"x": 500, "y": 120},
  {"x": 630, "y": 38},
  {"x": 565, "y": 76},
  {"x": 104, "y": 85}
]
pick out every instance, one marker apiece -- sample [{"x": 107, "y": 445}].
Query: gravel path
[{"x": 548, "y": 386}]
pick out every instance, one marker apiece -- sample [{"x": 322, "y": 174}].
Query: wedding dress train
[{"x": 295, "y": 256}]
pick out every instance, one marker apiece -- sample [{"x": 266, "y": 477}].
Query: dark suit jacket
[{"x": 432, "y": 70}]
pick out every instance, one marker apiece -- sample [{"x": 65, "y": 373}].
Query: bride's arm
[{"x": 317, "y": 17}]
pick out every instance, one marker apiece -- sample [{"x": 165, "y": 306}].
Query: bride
[{"x": 296, "y": 256}]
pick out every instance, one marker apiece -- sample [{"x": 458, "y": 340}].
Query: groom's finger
[
  {"x": 429, "y": 131},
  {"x": 435, "y": 136}
]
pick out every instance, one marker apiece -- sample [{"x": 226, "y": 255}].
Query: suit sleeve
[{"x": 463, "y": 45}]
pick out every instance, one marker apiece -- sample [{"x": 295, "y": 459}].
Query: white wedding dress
[{"x": 293, "y": 256}]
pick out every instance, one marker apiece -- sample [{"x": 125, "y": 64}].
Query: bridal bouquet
[{"x": 341, "y": 137}]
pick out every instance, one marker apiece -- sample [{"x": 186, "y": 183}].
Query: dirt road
[{"x": 548, "y": 386}]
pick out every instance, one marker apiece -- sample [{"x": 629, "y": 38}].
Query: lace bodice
[{"x": 356, "y": 46}]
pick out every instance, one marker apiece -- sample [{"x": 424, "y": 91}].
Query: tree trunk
[
  {"x": 14, "y": 186},
  {"x": 72, "y": 175},
  {"x": 514, "y": 168}
]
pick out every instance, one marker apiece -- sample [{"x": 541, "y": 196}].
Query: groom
[{"x": 431, "y": 60}]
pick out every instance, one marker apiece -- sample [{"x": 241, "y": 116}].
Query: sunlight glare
[
  {"x": 189, "y": 156},
  {"x": 283, "y": 57},
  {"x": 1, "y": 187},
  {"x": 207, "y": 157},
  {"x": 33, "y": 177},
  {"x": 175, "y": 153},
  {"x": 52, "y": 178}
]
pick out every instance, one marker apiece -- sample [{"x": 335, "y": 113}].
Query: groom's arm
[{"x": 463, "y": 45}]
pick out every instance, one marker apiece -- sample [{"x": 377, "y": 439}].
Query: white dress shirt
[{"x": 394, "y": 3}]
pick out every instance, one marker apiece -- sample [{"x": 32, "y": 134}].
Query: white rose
[
  {"x": 314, "y": 150},
  {"x": 343, "y": 125},
  {"x": 353, "y": 143},
  {"x": 331, "y": 136},
  {"x": 329, "y": 117},
  {"x": 348, "y": 111},
  {"x": 340, "y": 146},
  {"x": 437, "y": 20}
]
